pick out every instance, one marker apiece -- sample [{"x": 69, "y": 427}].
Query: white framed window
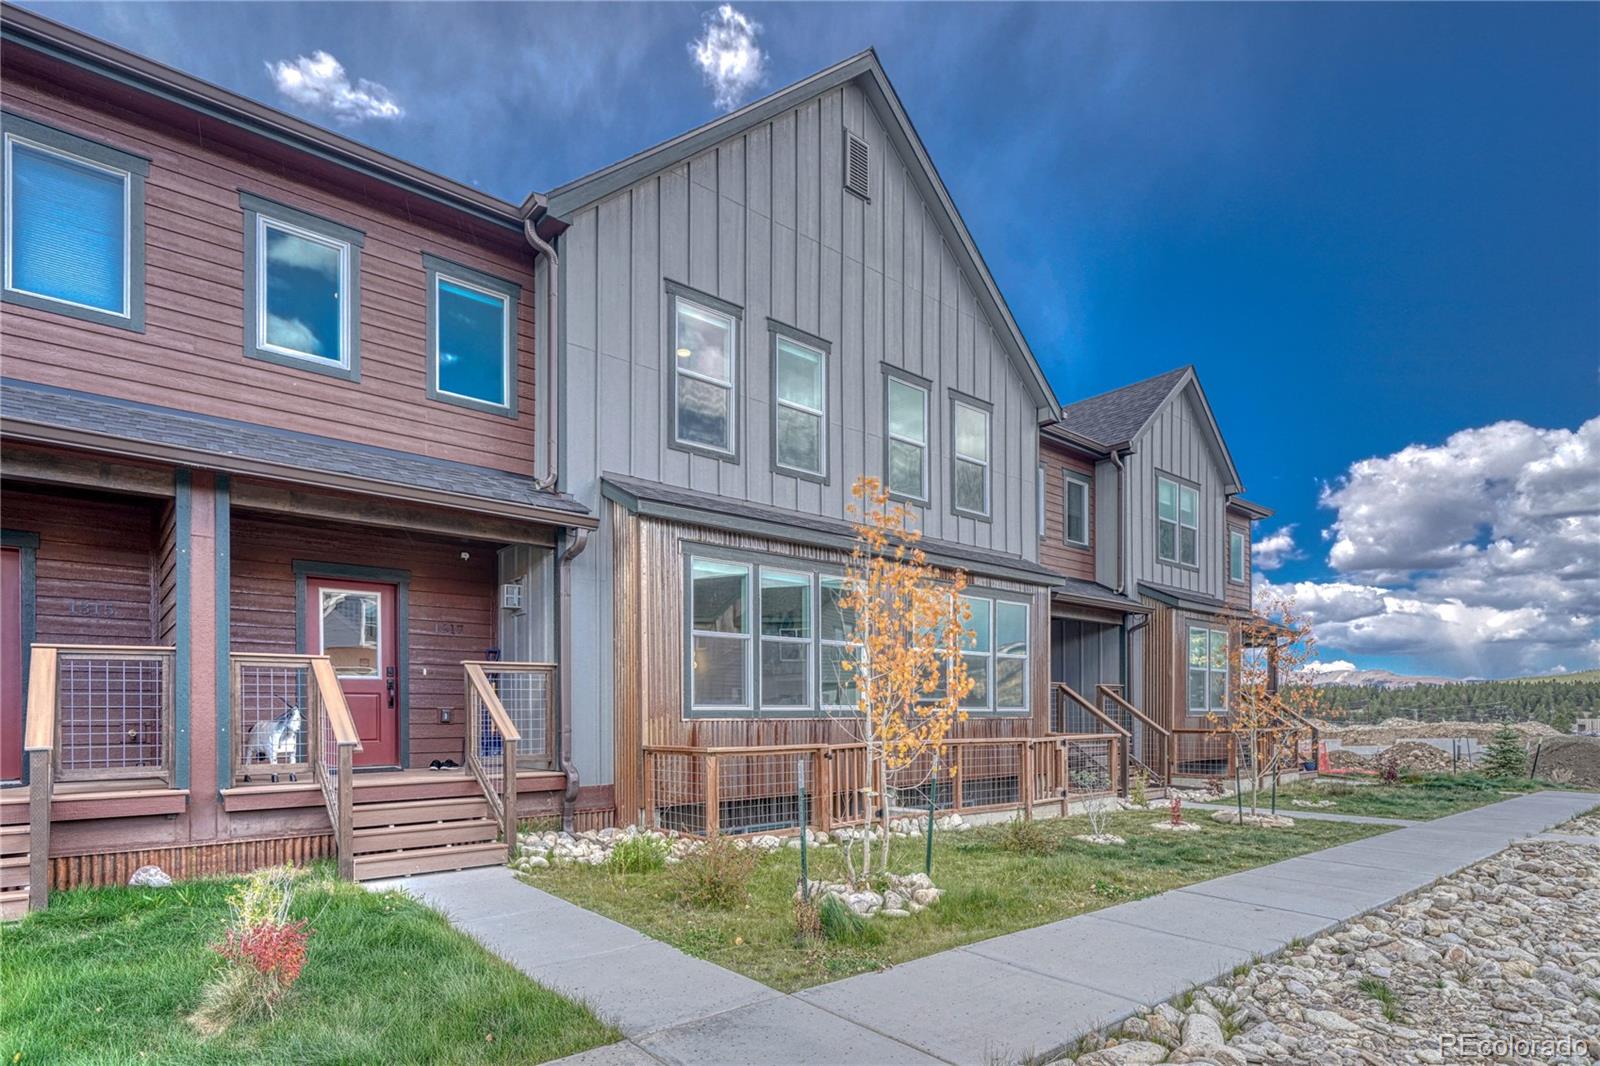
[
  {"x": 471, "y": 338},
  {"x": 1177, "y": 522},
  {"x": 704, "y": 359},
  {"x": 969, "y": 457},
  {"x": 719, "y": 636},
  {"x": 1238, "y": 556},
  {"x": 1075, "y": 508},
  {"x": 1038, "y": 492},
  {"x": 837, "y": 687},
  {"x": 351, "y": 631},
  {"x": 799, "y": 407},
  {"x": 905, "y": 419},
  {"x": 996, "y": 654},
  {"x": 1208, "y": 670},
  {"x": 73, "y": 225},
  {"x": 787, "y": 639},
  {"x": 302, "y": 300}
]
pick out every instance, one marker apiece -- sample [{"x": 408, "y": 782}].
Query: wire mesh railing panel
[
  {"x": 989, "y": 775},
  {"x": 1091, "y": 767},
  {"x": 911, "y": 784},
  {"x": 486, "y": 748},
  {"x": 274, "y": 726},
  {"x": 527, "y": 692},
  {"x": 113, "y": 714},
  {"x": 677, "y": 796},
  {"x": 847, "y": 780},
  {"x": 1202, "y": 753},
  {"x": 761, "y": 792}
]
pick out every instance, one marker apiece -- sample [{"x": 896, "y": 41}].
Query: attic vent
[{"x": 857, "y": 166}]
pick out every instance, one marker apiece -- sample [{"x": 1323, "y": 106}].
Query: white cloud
[
  {"x": 728, "y": 56},
  {"x": 1275, "y": 549},
  {"x": 319, "y": 81},
  {"x": 1337, "y": 666},
  {"x": 1479, "y": 555},
  {"x": 293, "y": 333}
]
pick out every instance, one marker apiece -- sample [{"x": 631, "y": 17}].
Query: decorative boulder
[{"x": 150, "y": 877}]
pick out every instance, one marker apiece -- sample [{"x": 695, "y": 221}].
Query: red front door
[
  {"x": 353, "y": 624},
  {"x": 10, "y": 665}
]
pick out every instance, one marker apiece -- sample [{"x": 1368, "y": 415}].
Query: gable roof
[
  {"x": 865, "y": 69},
  {"x": 1115, "y": 418}
]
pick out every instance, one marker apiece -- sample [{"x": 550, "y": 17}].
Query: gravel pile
[
  {"x": 1584, "y": 825},
  {"x": 1394, "y": 729},
  {"x": 1571, "y": 760},
  {"x": 1413, "y": 756},
  {"x": 1498, "y": 962}
]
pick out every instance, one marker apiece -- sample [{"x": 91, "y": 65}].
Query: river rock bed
[
  {"x": 903, "y": 895},
  {"x": 1474, "y": 968}
]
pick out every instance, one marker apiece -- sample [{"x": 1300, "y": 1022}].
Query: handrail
[
  {"x": 1097, "y": 713},
  {"x": 42, "y": 678},
  {"x": 333, "y": 703},
  {"x": 338, "y": 790},
  {"x": 491, "y": 700},
  {"x": 1107, "y": 690},
  {"x": 480, "y": 756}
]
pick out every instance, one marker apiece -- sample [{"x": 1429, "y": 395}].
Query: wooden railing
[
  {"x": 288, "y": 720},
  {"x": 111, "y": 710},
  {"x": 492, "y": 741},
  {"x": 1149, "y": 742},
  {"x": 1071, "y": 714},
  {"x": 705, "y": 791},
  {"x": 527, "y": 693},
  {"x": 38, "y": 742}
]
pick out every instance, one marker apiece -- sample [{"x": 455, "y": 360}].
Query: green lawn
[
  {"x": 109, "y": 975},
  {"x": 1422, "y": 798},
  {"x": 989, "y": 891}
]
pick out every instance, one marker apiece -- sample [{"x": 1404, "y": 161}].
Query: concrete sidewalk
[{"x": 994, "y": 1001}]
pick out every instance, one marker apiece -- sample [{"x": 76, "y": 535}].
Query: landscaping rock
[
  {"x": 1100, "y": 838},
  {"x": 1128, "y": 1053},
  {"x": 1198, "y": 1028},
  {"x": 1257, "y": 821},
  {"x": 150, "y": 877}
]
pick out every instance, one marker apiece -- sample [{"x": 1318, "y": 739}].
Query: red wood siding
[
  {"x": 191, "y": 355},
  {"x": 96, "y": 565},
  {"x": 451, "y": 613},
  {"x": 1054, "y": 551}
]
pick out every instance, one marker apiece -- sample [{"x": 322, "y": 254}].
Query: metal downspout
[
  {"x": 1122, "y": 522},
  {"x": 573, "y": 549},
  {"x": 530, "y": 230}
]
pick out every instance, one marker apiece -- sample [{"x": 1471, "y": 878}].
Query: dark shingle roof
[
  {"x": 235, "y": 446},
  {"x": 1117, "y": 416},
  {"x": 1094, "y": 594},
  {"x": 801, "y": 527}
]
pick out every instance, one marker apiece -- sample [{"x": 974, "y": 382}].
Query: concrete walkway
[{"x": 999, "y": 1000}]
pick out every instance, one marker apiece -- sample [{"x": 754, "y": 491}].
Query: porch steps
[
  {"x": 399, "y": 838},
  {"x": 14, "y": 871}
]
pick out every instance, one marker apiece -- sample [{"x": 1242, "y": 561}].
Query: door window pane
[
  {"x": 473, "y": 349},
  {"x": 67, "y": 230},
  {"x": 351, "y": 631},
  {"x": 301, "y": 280}
]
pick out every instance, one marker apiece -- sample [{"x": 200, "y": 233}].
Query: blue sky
[{"x": 1375, "y": 229}]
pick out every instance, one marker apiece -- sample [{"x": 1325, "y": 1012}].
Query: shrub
[
  {"x": 263, "y": 952},
  {"x": 807, "y": 921},
  {"x": 1136, "y": 791},
  {"x": 638, "y": 854},
  {"x": 1506, "y": 756},
  {"x": 1389, "y": 774},
  {"x": 841, "y": 925},
  {"x": 717, "y": 874},
  {"x": 1025, "y": 837}
]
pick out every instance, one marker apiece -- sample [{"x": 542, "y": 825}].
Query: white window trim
[
  {"x": 810, "y": 643},
  {"x": 730, "y": 386},
  {"x": 505, "y": 341},
  {"x": 126, "y": 311},
  {"x": 826, "y": 642},
  {"x": 920, "y": 445},
  {"x": 322, "y": 628},
  {"x": 1069, "y": 478},
  {"x": 995, "y": 655},
  {"x": 1241, "y": 577},
  {"x": 820, "y": 413},
  {"x": 728, "y": 709},
  {"x": 1210, "y": 670},
  {"x": 956, "y": 457},
  {"x": 1177, "y": 522},
  {"x": 263, "y": 221}
]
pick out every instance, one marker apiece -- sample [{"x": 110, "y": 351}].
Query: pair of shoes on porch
[{"x": 447, "y": 764}]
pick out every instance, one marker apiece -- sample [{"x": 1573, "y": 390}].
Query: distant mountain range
[{"x": 1348, "y": 675}]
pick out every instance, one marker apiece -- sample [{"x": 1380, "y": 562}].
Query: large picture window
[
  {"x": 1208, "y": 670},
  {"x": 786, "y": 639},
  {"x": 719, "y": 620},
  {"x": 1177, "y": 522},
  {"x": 906, "y": 438},
  {"x": 302, "y": 300},
  {"x": 1075, "y": 507},
  {"x": 472, "y": 332},
  {"x": 969, "y": 457},
  {"x": 74, "y": 225},
  {"x": 799, "y": 405},
  {"x": 997, "y": 655},
  {"x": 704, "y": 379}
]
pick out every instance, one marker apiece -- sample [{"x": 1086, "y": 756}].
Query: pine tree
[{"x": 1505, "y": 757}]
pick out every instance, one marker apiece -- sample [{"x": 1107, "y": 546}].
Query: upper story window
[
  {"x": 705, "y": 346},
  {"x": 1208, "y": 670},
  {"x": 969, "y": 457},
  {"x": 74, "y": 225},
  {"x": 799, "y": 404},
  {"x": 1039, "y": 501},
  {"x": 472, "y": 350},
  {"x": 905, "y": 402},
  {"x": 1075, "y": 508},
  {"x": 302, "y": 289},
  {"x": 1238, "y": 555},
  {"x": 997, "y": 655},
  {"x": 1177, "y": 522}
]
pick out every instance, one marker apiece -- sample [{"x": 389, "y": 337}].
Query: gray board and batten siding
[{"x": 762, "y": 220}]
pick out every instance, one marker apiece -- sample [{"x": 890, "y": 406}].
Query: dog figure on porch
[{"x": 276, "y": 740}]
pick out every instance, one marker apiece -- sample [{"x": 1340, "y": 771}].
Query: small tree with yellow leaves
[
  {"x": 906, "y": 629},
  {"x": 1270, "y": 706}
]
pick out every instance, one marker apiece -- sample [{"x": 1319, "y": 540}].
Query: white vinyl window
[
  {"x": 1238, "y": 556},
  {"x": 786, "y": 639},
  {"x": 704, "y": 350},
  {"x": 799, "y": 400},
  {"x": 719, "y": 620},
  {"x": 1208, "y": 670},
  {"x": 1177, "y": 522},
  {"x": 1075, "y": 509},
  {"x": 906, "y": 462},
  {"x": 970, "y": 459},
  {"x": 1038, "y": 492},
  {"x": 996, "y": 654},
  {"x": 837, "y": 686},
  {"x": 302, "y": 286}
]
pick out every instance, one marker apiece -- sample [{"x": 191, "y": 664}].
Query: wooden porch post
[
  {"x": 713, "y": 801},
  {"x": 346, "y": 840},
  {"x": 823, "y": 789},
  {"x": 39, "y": 789},
  {"x": 509, "y": 756},
  {"x": 647, "y": 802},
  {"x": 1025, "y": 790}
]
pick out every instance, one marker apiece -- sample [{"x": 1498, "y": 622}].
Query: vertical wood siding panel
[{"x": 646, "y": 321}]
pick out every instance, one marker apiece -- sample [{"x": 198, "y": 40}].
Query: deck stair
[
  {"x": 396, "y": 838},
  {"x": 15, "y": 856}
]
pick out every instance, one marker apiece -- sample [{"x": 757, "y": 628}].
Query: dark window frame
[
  {"x": 260, "y": 211},
  {"x": 674, "y": 292},
  {"x": 1179, "y": 484},
  {"x": 83, "y": 150},
  {"x": 916, "y": 381},
  {"x": 955, "y": 399}
]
